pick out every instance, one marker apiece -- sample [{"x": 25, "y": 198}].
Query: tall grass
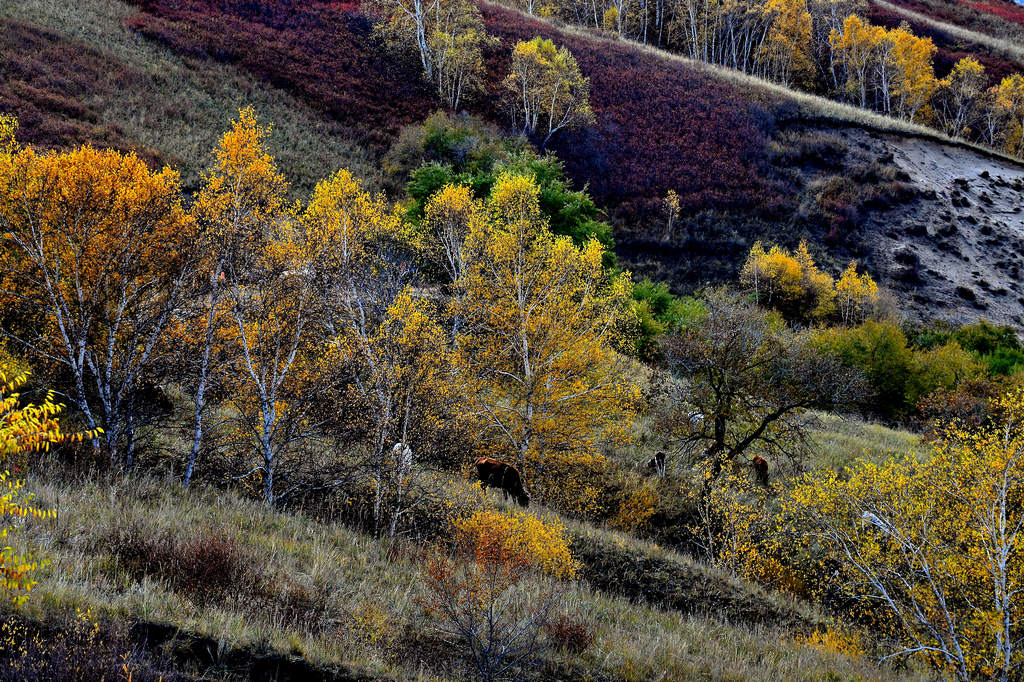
[
  {"x": 360, "y": 596},
  {"x": 837, "y": 442}
]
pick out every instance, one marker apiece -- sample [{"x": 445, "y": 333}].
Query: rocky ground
[{"x": 955, "y": 252}]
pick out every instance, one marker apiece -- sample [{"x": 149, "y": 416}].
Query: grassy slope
[
  {"x": 317, "y": 74},
  {"x": 837, "y": 442},
  {"x": 74, "y": 72},
  {"x": 336, "y": 596}
]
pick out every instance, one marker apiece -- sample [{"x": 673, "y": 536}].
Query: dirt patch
[{"x": 955, "y": 251}]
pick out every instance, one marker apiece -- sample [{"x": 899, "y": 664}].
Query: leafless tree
[
  {"x": 738, "y": 378},
  {"x": 483, "y": 599}
]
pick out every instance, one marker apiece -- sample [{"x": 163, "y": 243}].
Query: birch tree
[
  {"x": 542, "y": 320},
  {"x": 96, "y": 251},
  {"x": 447, "y": 35},
  {"x": 958, "y": 97},
  {"x": 389, "y": 338},
  {"x": 546, "y": 91},
  {"x": 934, "y": 549},
  {"x": 241, "y": 200}
]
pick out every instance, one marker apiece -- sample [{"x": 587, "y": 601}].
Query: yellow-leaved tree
[
  {"x": 1009, "y": 103},
  {"x": 546, "y": 92},
  {"x": 958, "y": 97},
  {"x": 241, "y": 201},
  {"x": 934, "y": 549},
  {"x": 913, "y": 74},
  {"x": 386, "y": 336},
  {"x": 855, "y": 49},
  {"x": 542, "y": 319},
  {"x": 855, "y": 293},
  {"x": 267, "y": 319},
  {"x": 95, "y": 250},
  {"x": 448, "y": 35},
  {"x": 789, "y": 282},
  {"x": 785, "y": 55}
]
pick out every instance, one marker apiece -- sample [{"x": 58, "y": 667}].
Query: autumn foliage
[
  {"x": 933, "y": 550},
  {"x": 24, "y": 428},
  {"x": 481, "y": 594}
]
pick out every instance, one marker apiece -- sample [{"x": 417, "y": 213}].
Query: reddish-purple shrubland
[{"x": 321, "y": 52}]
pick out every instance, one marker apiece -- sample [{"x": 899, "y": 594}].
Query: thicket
[
  {"x": 269, "y": 316},
  {"x": 448, "y": 150},
  {"x": 912, "y": 372}
]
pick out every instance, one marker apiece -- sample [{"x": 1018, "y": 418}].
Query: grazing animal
[
  {"x": 657, "y": 464},
  {"x": 152, "y": 401},
  {"x": 760, "y": 465},
  {"x": 402, "y": 454},
  {"x": 497, "y": 474}
]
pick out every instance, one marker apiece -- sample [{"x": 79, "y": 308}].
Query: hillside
[
  {"x": 531, "y": 352},
  {"x": 736, "y": 150},
  {"x": 216, "y": 587}
]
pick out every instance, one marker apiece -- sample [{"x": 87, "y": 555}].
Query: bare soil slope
[{"x": 957, "y": 249}]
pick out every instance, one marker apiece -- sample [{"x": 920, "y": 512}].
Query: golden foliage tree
[
  {"x": 1009, "y": 103},
  {"x": 855, "y": 292},
  {"x": 913, "y": 73},
  {"x": 387, "y": 336},
  {"x": 278, "y": 370},
  {"x": 448, "y": 218},
  {"x": 855, "y": 48},
  {"x": 958, "y": 97},
  {"x": 449, "y": 37},
  {"x": 241, "y": 200},
  {"x": 934, "y": 548},
  {"x": 546, "y": 91},
  {"x": 404, "y": 368},
  {"x": 790, "y": 282},
  {"x": 786, "y": 54},
  {"x": 96, "y": 249},
  {"x": 541, "y": 323}
]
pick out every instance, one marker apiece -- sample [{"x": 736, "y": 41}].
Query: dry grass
[
  {"x": 183, "y": 105},
  {"x": 838, "y": 441},
  {"x": 365, "y": 592}
]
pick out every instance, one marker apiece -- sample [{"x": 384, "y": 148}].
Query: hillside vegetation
[
  {"x": 220, "y": 587},
  {"x": 546, "y": 341},
  {"x": 714, "y": 137}
]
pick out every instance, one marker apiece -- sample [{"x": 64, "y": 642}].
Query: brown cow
[
  {"x": 497, "y": 474},
  {"x": 760, "y": 465}
]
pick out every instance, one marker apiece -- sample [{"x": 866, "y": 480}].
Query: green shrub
[
  {"x": 657, "y": 312},
  {"x": 447, "y": 150},
  {"x": 995, "y": 346},
  {"x": 899, "y": 374}
]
